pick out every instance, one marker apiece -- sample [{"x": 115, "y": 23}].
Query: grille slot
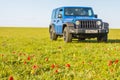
[{"x": 88, "y": 24}]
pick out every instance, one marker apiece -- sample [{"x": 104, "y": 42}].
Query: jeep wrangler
[{"x": 77, "y": 22}]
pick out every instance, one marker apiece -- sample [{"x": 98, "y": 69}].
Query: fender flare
[
  {"x": 69, "y": 25},
  {"x": 106, "y": 26}
]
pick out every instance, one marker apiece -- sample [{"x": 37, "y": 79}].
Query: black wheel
[
  {"x": 102, "y": 38},
  {"x": 53, "y": 35},
  {"x": 66, "y": 35}
]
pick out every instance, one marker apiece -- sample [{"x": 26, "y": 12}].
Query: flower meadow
[{"x": 29, "y": 54}]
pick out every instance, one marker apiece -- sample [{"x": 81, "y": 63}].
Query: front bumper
[{"x": 88, "y": 31}]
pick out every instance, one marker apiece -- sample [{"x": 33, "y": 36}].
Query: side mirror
[
  {"x": 96, "y": 16},
  {"x": 59, "y": 15}
]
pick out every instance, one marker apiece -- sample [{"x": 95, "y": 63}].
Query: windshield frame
[{"x": 84, "y": 8}]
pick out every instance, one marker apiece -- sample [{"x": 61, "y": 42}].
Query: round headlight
[
  {"x": 98, "y": 23},
  {"x": 77, "y": 22}
]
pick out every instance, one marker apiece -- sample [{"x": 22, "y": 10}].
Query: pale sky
[{"x": 37, "y": 13}]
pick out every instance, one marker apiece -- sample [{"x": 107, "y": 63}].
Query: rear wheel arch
[
  {"x": 51, "y": 26},
  {"x": 64, "y": 25},
  {"x": 53, "y": 35}
]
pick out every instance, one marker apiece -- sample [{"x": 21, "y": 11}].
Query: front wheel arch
[{"x": 68, "y": 24}]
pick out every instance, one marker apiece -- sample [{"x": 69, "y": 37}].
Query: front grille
[{"x": 88, "y": 24}]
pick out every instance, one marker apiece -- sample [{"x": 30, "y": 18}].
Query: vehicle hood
[{"x": 75, "y": 18}]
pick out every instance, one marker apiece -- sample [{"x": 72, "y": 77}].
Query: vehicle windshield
[{"x": 78, "y": 12}]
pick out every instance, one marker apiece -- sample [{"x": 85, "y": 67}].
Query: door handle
[{"x": 57, "y": 20}]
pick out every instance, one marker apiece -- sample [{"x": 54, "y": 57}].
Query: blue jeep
[{"x": 77, "y": 22}]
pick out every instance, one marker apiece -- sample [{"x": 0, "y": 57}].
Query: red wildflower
[
  {"x": 56, "y": 71},
  {"x": 116, "y": 61},
  {"x": 11, "y": 78},
  {"x": 68, "y": 65},
  {"x": 110, "y": 63},
  {"x": 35, "y": 67},
  {"x": 25, "y": 62},
  {"x": 28, "y": 58},
  {"x": 52, "y": 66}
]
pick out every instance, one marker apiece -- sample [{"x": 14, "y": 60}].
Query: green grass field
[{"x": 29, "y": 54}]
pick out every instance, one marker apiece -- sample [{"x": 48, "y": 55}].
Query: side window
[
  {"x": 54, "y": 14},
  {"x": 60, "y": 12}
]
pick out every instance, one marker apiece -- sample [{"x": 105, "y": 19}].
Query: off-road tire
[
  {"x": 67, "y": 36},
  {"x": 53, "y": 35},
  {"x": 102, "y": 38}
]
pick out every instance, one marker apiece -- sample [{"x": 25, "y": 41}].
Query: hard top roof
[{"x": 73, "y": 7}]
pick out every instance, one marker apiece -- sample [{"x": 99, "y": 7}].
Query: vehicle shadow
[
  {"x": 95, "y": 41},
  {"x": 114, "y": 41}
]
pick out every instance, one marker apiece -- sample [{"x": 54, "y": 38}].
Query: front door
[{"x": 59, "y": 21}]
